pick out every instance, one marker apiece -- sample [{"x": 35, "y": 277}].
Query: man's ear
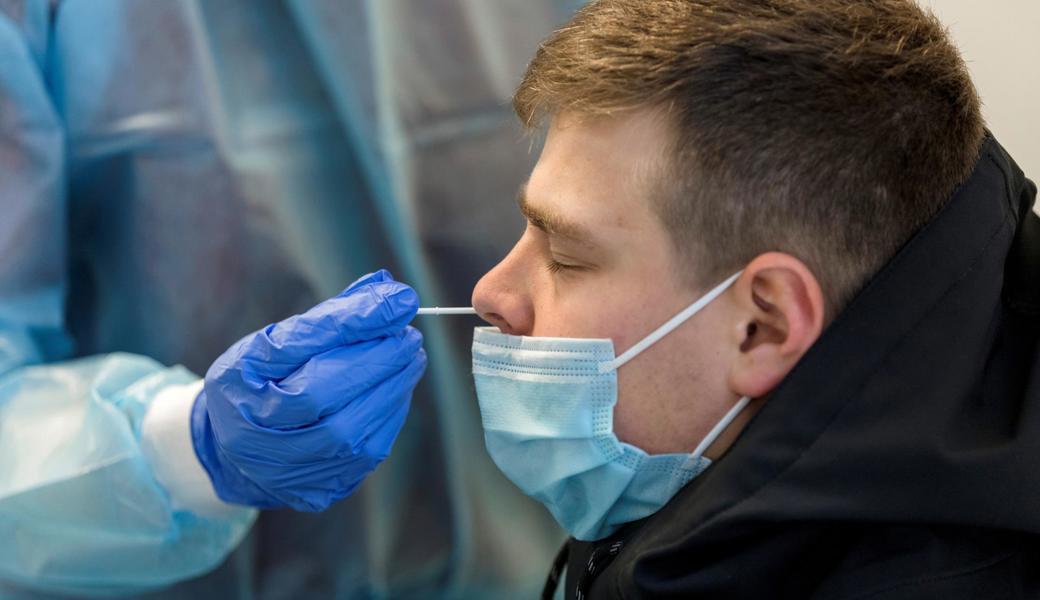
[{"x": 780, "y": 314}]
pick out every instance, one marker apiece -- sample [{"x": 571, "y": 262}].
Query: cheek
[
  {"x": 667, "y": 394},
  {"x": 584, "y": 309},
  {"x": 658, "y": 393}
]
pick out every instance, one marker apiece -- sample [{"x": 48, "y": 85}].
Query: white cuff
[{"x": 167, "y": 445}]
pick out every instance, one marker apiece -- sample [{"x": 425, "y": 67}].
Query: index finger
[{"x": 366, "y": 312}]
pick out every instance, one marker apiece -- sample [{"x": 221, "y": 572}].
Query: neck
[{"x": 729, "y": 435}]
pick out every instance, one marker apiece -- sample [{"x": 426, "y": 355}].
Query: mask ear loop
[
  {"x": 719, "y": 427},
  {"x": 663, "y": 330}
]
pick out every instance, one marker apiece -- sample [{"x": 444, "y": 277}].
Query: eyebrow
[{"x": 551, "y": 222}]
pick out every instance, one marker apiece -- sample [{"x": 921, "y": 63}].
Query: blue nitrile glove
[{"x": 298, "y": 413}]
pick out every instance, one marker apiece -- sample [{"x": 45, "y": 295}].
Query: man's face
[{"x": 596, "y": 262}]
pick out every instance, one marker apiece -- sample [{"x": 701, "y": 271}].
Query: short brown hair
[{"x": 828, "y": 129}]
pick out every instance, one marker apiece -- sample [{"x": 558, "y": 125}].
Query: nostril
[{"x": 497, "y": 320}]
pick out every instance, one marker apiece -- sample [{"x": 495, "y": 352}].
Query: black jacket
[{"x": 899, "y": 459}]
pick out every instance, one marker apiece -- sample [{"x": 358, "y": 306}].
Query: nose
[{"x": 502, "y": 297}]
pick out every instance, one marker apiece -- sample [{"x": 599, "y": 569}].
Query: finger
[
  {"x": 382, "y": 423},
  {"x": 380, "y": 443},
  {"x": 328, "y": 381},
  {"x": 346, "y": 433},
  {"x": 332, "y": 480},
  {"x": 369, "y": 311}
]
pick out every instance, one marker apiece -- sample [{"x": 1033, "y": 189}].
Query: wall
[{"x": 1000, "y": 40}]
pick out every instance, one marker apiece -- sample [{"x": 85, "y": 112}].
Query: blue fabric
[
  {"x": 176, "y": 174},
  {"x": 79, "y": 509},
  {"x": 297, "y": 414}
]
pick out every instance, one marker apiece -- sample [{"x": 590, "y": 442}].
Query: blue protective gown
[{"x": 177, "y": 173}]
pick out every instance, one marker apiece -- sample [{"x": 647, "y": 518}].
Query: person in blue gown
[{"x": 179, "y": 175}]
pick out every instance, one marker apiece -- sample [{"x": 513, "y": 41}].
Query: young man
[{"x": 817, "y": 172}]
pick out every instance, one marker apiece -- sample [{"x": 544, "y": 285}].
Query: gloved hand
[{"x": 298, "y": 413}]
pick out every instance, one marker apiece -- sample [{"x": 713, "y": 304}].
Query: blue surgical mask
[{"x": 547, "y": 405}]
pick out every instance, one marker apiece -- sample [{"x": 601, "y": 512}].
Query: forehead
[{"x": 600, "y": 170}]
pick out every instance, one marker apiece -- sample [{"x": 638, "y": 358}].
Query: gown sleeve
[{"x": 100, "y": 490}]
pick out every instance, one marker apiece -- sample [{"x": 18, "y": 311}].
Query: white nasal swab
[{"x": 454, "y": 310}]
